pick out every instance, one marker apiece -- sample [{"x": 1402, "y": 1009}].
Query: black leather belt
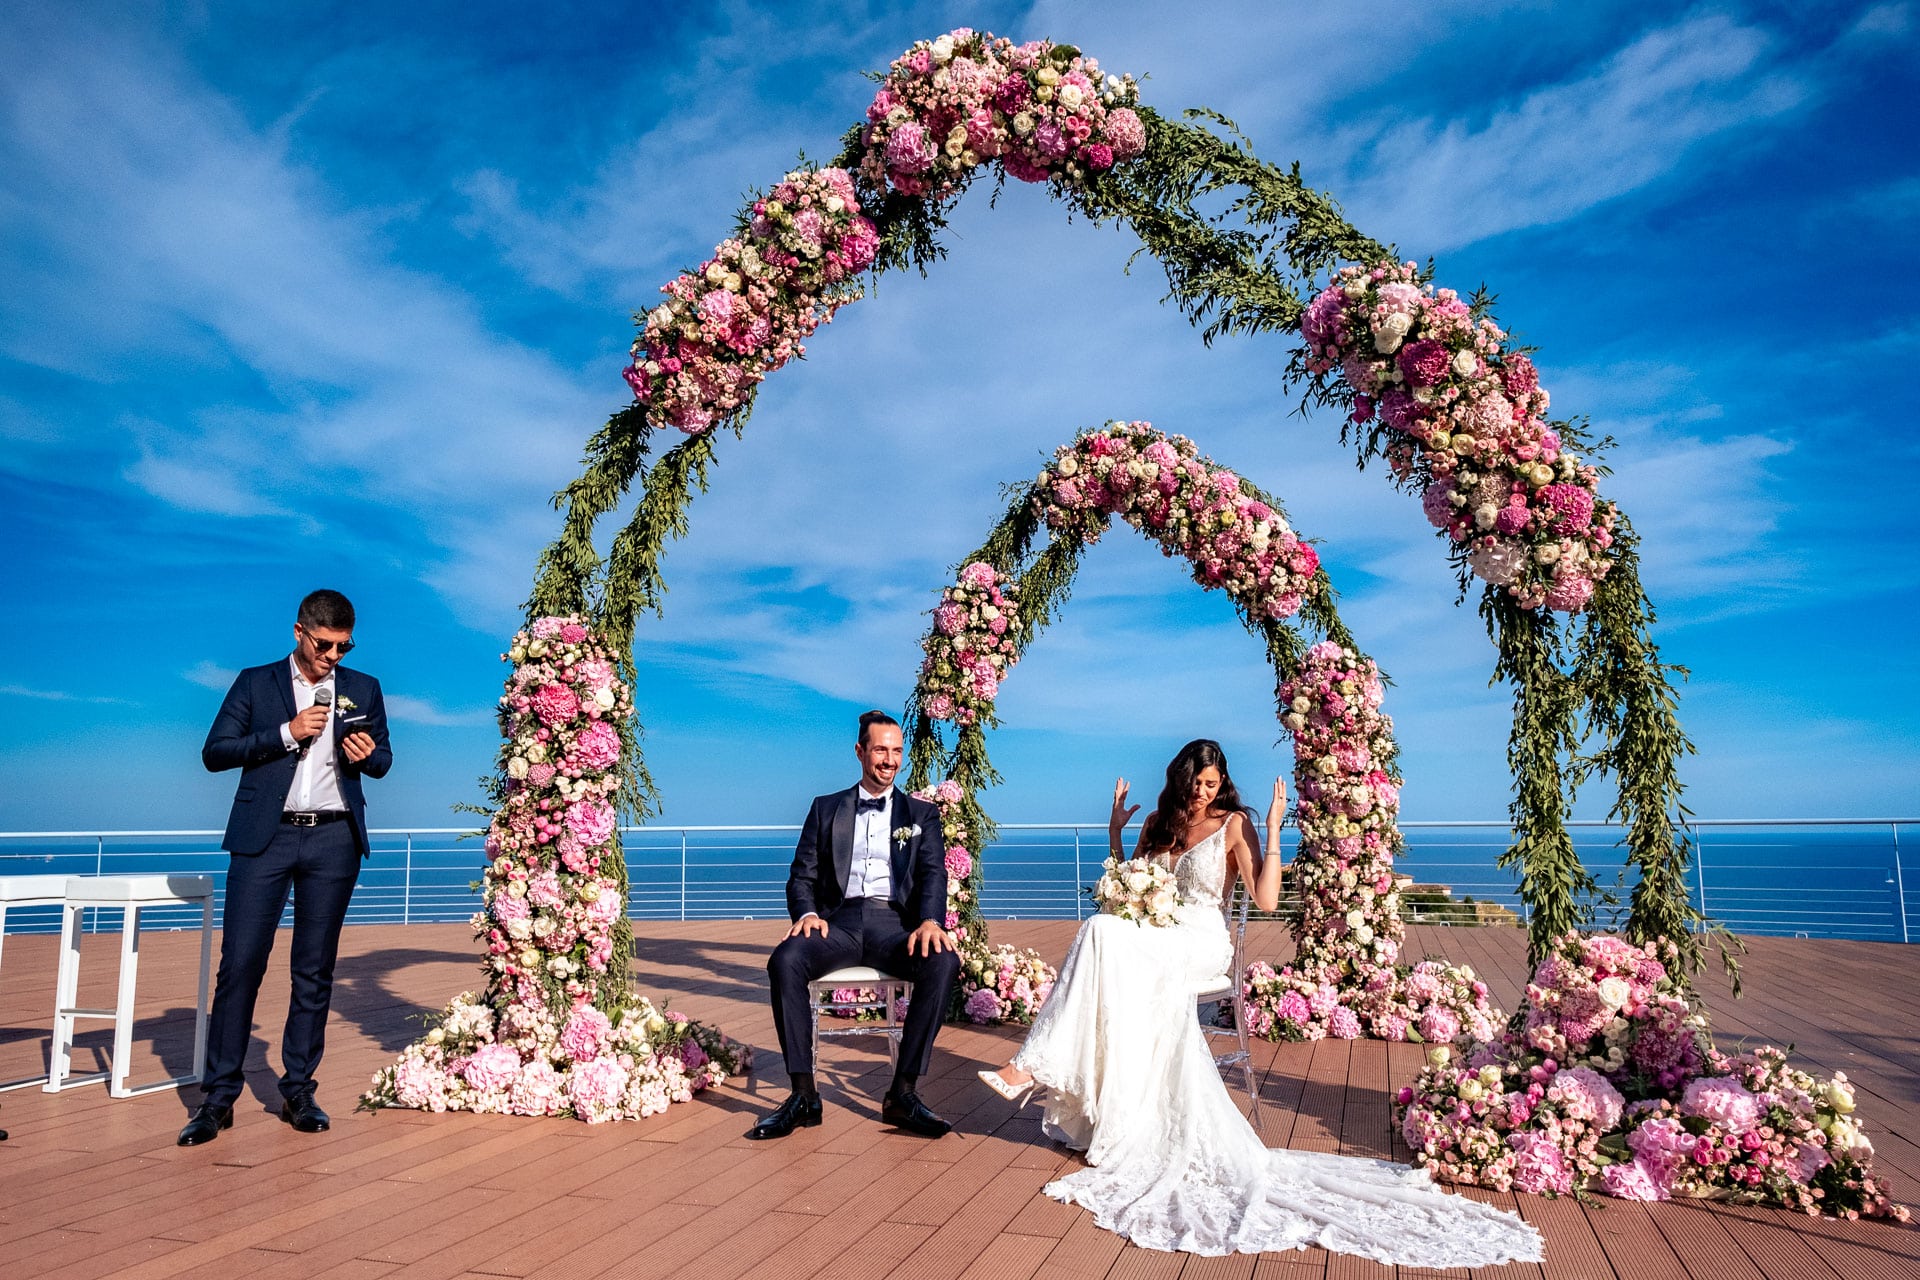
[{"x": 293, "y": 818}]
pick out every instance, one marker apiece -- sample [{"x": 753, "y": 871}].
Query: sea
[{"x": 1801, "y": 878}]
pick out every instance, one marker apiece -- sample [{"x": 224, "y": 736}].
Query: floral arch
[
  {"x": 1236, "y": 539},
  {"x": 1424, "y": 380}
]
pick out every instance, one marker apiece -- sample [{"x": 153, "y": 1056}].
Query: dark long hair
[{"x": 1166, "y": 828}]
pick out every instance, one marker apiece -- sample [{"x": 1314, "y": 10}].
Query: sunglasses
[{"x": 345, "y": 647}]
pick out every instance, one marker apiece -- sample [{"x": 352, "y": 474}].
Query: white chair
[
  {"x": 1230, "y": 986},
  {"x": 132, "y": 894},
  {"x": 861, "y": 977},
  {"x": 28, "y": 891}
]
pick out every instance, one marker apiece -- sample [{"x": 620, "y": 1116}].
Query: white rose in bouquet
[{"x": 1139, "y": 889}]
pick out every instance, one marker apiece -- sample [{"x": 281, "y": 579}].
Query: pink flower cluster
[
  {"x": 746, "y": 311},
  {"x": 1347, "y": 800},
  {"x": 1470, "y": 415},
  {"x": 1004, "y": 984},
  {"x": 540, "y": 1042},
  {"x": 1431, "y": 1001},
  {"x": 521, "y": 1061},
  {"x": 1042, "y": 110},
  {"x": 1573, "y": 1098},
  {"x": 1192, "y": 507},
  {"x": 997, "y": 984},
  {"x": 969, "y": 648}
]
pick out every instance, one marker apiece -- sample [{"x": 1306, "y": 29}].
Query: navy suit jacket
[
  {"x": 246, "y": 736},
  {"x": 824, "y": 856}
]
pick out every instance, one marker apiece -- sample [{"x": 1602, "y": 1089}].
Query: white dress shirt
[
  {"x": 870, "y": 874},
  {"x": 316, "y": 776}
]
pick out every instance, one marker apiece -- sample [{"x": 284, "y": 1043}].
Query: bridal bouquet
[{"x": 1139, "y": 889}]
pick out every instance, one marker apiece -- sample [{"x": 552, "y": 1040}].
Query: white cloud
[
  {"x": 1436, "y": 183},
  {"x": 210, "y": 675},
  {"x": 59, "y": 695},
  {"x": 412, "y": 710}
]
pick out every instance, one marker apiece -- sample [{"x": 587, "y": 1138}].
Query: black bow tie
[{"x": 862, "y": 804}]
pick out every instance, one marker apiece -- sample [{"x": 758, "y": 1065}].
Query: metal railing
[{"x": 1819, "y": 877}]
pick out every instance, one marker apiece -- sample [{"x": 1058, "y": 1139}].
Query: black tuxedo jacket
[
  {"x": 246, "y": 736},
  {"x": 824, "y": 856}
]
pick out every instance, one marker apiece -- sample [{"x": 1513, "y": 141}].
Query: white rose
[
  {"x": 1355, "y": 919},
  {"x": 1470, "y": 1089},
  {"x": 1139, "y": 881},
  {"x": 1023, "y": 123},
  {"x": 519, "y": 930},
  {"x": 1295, "y": 722},
  {"x": 1439, "y": 1055},
  {"x": 538, "y": 648},
  {"x": 1840, "y": 1096},
  {"x": 1363, "y": 935},
  {"x": 1391, "y": 333},
  {"x": 537, "y": 752},
  {"x": 1464, "y": 363},
  {"x": 1302, "y": 703},
  {"x": 604, "y": 699},
  {"x": 543, "y": 927},
  {"x": 529, "y": 957},
  {"x": 1546, "y": 553},
  {"x": 1068, "y": 465},
  {"x": 1484, "y": 515},
  {"x": 1614, "y": 992},
  {"x": 943, "y": 49},
  {"x": 518, "y": 653},
  {"x": 1071, "y": 96},
  {"x": 1490, "y": 1075},
  {"x": 517, "y": 767},
  {"x": 1540, "y": 473},
  {"x": 518, "y": 889}
]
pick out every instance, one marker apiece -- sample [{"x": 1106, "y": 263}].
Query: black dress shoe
[
  {"x": 304, "y": 1114},
  {"x": 906, "y": 1111},
  {"x": 209, "y": 1118},
  {"x": 801, "y": 1110}
]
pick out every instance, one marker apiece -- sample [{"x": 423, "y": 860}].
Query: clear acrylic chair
[
  {"x": 1230, "y": 987},
  {"x": 889, "y": 991}
]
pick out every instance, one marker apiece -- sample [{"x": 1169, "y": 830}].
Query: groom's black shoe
[
  {"x": 304, "y": 1114},
  {"x": 799, "y": 1111},
  {"x": 209, "y": 1118},
  {"x": 906, "y": 1111}
]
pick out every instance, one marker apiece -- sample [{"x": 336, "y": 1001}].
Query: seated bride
[{"x": 1130, "y": 1081}]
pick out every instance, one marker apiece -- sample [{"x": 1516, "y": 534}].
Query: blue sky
[{"x": 304, "y": 295}]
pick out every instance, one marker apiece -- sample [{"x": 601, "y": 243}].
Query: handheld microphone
[{"x": 322, "y": 697}]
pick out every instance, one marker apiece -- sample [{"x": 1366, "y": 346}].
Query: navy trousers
[
  {"x": 319, "y": 867},
  {"x": 860, "y": 931}
]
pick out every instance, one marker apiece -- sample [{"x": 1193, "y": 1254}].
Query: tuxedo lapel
[
  {"x": 842, "y": 829},
  {"x": 899, "y": 816},
  {"x": 283, "y": 681}
]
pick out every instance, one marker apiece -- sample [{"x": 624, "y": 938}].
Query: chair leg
[
  {"x": 200, "y": 1005},
  {"x": 813, "y": 1013},
  {"x": 65, "y": 992},
  {"x": 123, "y": 1004}
]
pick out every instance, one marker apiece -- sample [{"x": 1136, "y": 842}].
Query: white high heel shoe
[{"x": 1018, "y": 1094}]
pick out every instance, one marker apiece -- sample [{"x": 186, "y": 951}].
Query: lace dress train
[{"x": 1172, "y": 1164}]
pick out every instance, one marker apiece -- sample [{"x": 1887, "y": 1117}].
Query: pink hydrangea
[
  {"x": 592, "y": 821},
  {"x": 1571, "y": 504},
  {"x": 538, "y": 1090},
  {"x": 555, "y": 704},
  {"x": 598, "y": 747},
  {"x": 492, "y": 1068},
  {"x": 959, "y": 863},
  {"x": 595, "y": 1088},
  {"x": 1343, "y": 1025},
  {"x": 585, "y": 1036},
  {"x": 1439, "y": 1025},
  {"x": 1424, "y": 362},
  {"x": 1722, "y": 1100},
  {"x": 1125, "y": 133},
  {"x": 1636, "y": 1180},
  {"x": 1540, "y": 1166},
  {"x": 1587, "y": 1095},
  {"x": 419, "y": 1083}
]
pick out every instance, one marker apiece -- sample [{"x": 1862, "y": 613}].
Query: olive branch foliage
[{"x": 1242, "y": 244}]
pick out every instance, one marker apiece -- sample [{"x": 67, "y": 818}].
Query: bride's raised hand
[
  {"x": 1117, "y": 820},
  {"x": 1277, "y": 808}
]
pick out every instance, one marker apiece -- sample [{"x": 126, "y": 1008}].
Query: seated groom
[{"x": 868, "y": 886}]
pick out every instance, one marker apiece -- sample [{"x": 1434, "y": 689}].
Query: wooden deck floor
[{"x": 94, "y": 1187}]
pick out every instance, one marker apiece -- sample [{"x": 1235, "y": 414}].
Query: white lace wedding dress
[{"x": 1173, "y": 1164}]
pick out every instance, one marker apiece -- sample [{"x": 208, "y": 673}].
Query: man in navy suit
[
  {"x": 303, "y": 731},
  {"x": 868, "y": 886}
]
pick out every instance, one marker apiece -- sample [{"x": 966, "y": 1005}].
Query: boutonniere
[
  {"x": 906, "y": 833},
  {"x": 341, "y": 706}
]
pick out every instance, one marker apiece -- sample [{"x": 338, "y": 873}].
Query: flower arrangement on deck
[{"x": 1610, "y": 1081}]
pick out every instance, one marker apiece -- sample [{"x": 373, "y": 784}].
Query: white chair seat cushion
[
  {"x": 854, "y": 975},
  {"x": 117, "y": 889},
  {"x": 33, "y": 888}
]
